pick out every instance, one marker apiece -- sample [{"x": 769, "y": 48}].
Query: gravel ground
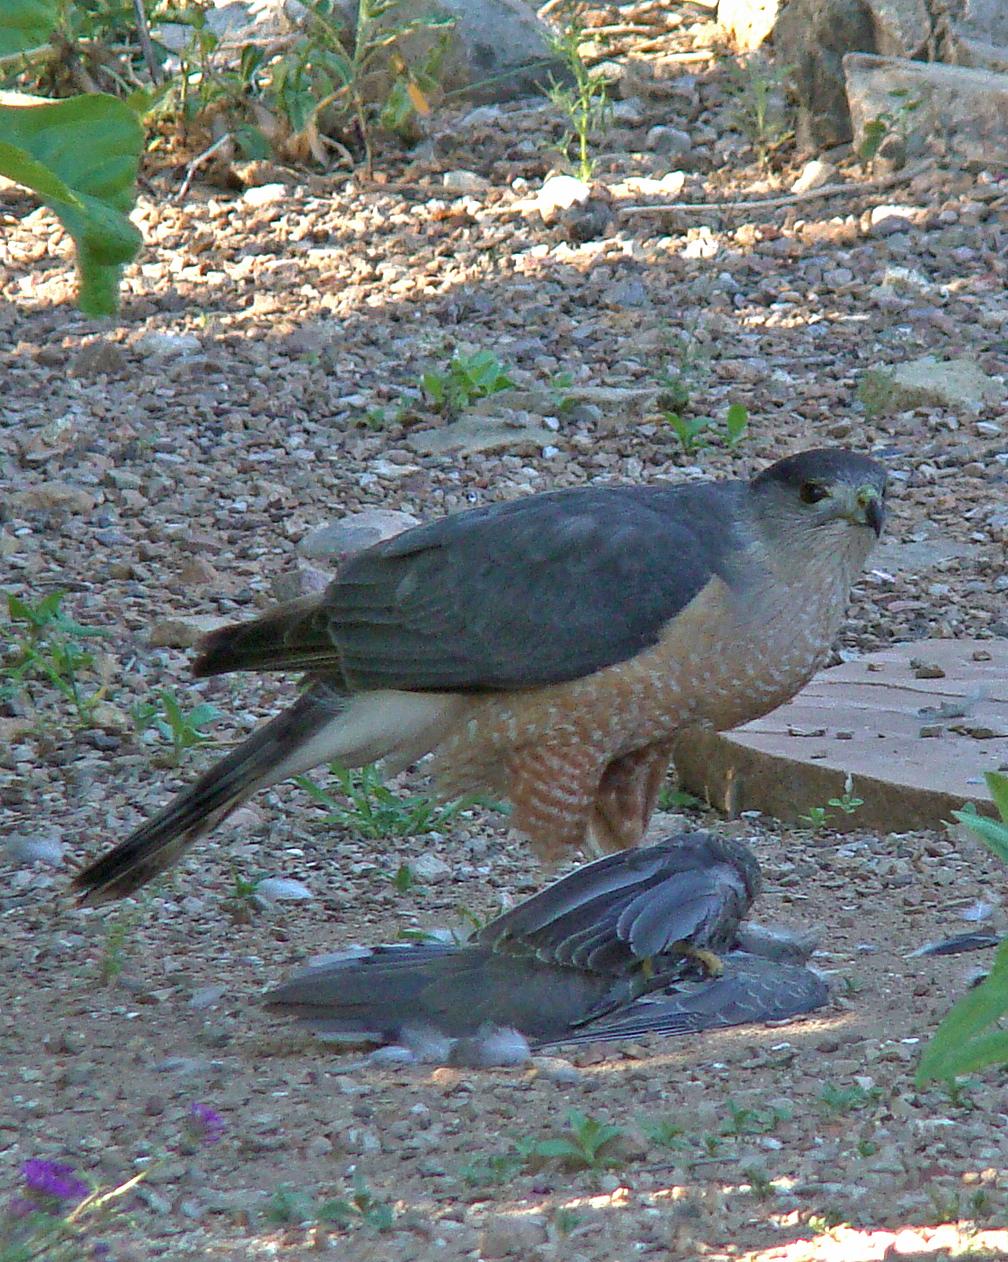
[{"x": 262, "y": 382}]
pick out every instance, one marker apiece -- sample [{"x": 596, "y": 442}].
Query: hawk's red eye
[{"x": 812, "y": 492}]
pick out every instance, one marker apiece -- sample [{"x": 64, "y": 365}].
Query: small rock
[
  {"x": 393, "y": 1054},
  {"x": 169, "y": 345},
  {"x": 670, "y": 140},
  {"x": 354, "y": 533},
  {"x": 561, "y": 192},
  {"x": 886, "y": 220},
  {"x": 206, "y": 997},
  {"x": 265, "y": 194},
  {"x": 429, "y": 869},
  {"x": 280, "y": 889},
  {"x": 557, "y": 1070},
  {"x": 814, "y": 175},
  {"x": 183, "y": 632},
  {"x": 511, "y": 1237},
  {"x": 464, "y": 182},
  {"x": 56, "y": 497},
  {"x": 928, "y": 382},
  {"x": 317, "y": 1147},
  {"x": 35, "y": 848},
  {"x": 98, "y": 358}
]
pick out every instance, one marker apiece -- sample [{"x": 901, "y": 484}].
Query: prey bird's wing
[
  {"x": 379, "y": 995},
  {"x": 632, "y": 905},
  {"x": 752, "y": 990},
  {"x": 529, "y": 592}
]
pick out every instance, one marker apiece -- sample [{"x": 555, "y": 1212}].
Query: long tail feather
[{"x": 274, "y": 752}]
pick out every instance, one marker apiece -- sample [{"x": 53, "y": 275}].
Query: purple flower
[
  {"x": 53, "y": 1178},
  {"x": 205, "y": 1123}
]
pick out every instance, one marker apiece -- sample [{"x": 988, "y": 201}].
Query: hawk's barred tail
[
  {"x": 294, "y": 636},
  {"x": 270, "y": 754}
]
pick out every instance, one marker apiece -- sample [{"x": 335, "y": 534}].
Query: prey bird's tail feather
[
  {"x": 294, "y": 636},
  {"x": 284, "y": 747}
]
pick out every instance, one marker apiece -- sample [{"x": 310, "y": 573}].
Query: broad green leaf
[
  {"x": 993, "y": 834},
  {"x": 998, "y": 786},
  {"x": 956, "y": 1044},
  {"x": 26, "y": 24},
  {"x": 80, "y": 157}
]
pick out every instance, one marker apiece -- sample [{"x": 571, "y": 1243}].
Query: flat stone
[
  {"x": 355, "y": 532},
  {"x": 814, "y": 175},
  {"x": 907, "y": 782},
  {"x": 183, "y": 632},
  {"x": 60, "y": 497},
  {"x": 961, "y": 111},
  {"x": 474, "y": 434},
  {"x": 929, "y": 382},
  {"x": 169, "y": 345}
]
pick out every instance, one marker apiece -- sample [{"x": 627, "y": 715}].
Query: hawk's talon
[{"x": 709, "y": 961}]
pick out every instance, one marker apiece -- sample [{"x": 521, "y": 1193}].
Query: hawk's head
[{"x": 825, "y": 487}]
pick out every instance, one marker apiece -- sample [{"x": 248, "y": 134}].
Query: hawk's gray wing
[
  {"x": 752, "y": 990},
  {"x": 530, "y": 592},
  {"x": 609, "y": 915}
]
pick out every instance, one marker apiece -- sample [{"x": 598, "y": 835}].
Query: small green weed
[
  {"x": 760, "y": 109},
  {"x": 291, "y": 1205},
  {"x": 760, "y": 1183},
  {"x": 493, "y": 1171},
  {"x": 466, "y": 379},
  {"x": 373, "y": 811},
  {"x": 118, "y": 927},
  {"x": 46, "y": 648},
  {"x": 894, "y": 122},
  {"x": 696, "y": 432},
  {"x": 585, "y": 101},
  {"x": 664, "y": 1132},
  {"x": 566, "y": 1220},
  {"x": 847, "y": 803},
  {"x": 749, "y": 1121},
  {"x": 837, "y": 1101},
  {"x": 587, "y": 1145},
  {"x": 184, "y": 729},
  {"x": 670, "y": 799}
]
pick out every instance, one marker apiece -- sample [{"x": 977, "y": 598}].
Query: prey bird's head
[{"x": 827, "y": 492}]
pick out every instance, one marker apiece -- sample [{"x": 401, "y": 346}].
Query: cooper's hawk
[
  {"x": 585, "y": 947},
  {"x": 573, "y": 962},
  {"x": 547, "y": 650}
]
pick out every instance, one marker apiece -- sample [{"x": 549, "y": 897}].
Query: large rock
[
  {"x": 747, "y": 23},
  {"x": 914, "y": 726},
  {"x": 962, "y": 112},
  {"x": 811, "y": 37}
]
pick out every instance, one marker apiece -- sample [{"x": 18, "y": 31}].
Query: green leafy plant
[
  {"x": 847, "y": 803},
  {"x": 743, "y": 1120},
  {"x": 47, "y": 647},
  {"x": 971, "y": 1037},
  {"x": 291, "y": 1205},
  {"x": 184, "y": 729},
  {"x": 588, "y": 1144},
  {"x": 584, "y": 99},
  {"x": 695, "y": 432},
  {"x": 890, "y": 122},
  {"x": 78, "y": 156},
  {"x": 759, "y": 104},
  {"x": 468, "y": 377},
  {"x": 491, "y": 1171},
  {"x": 664, "y": 1132},
  {"x": 671, "y": 799},
  {"x": 760, "y": 1182},
  {"x": 330, "y": 69},
  {"x": 118, "y": 927},
  {"x": 837, "y": 1101},
  {"x": 372, "y": 810}
]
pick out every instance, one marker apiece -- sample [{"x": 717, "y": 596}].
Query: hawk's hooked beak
[{"x": 872, "y": 508}]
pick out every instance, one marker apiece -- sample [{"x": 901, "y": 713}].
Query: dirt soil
[{"x": 151, "y": 478}]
